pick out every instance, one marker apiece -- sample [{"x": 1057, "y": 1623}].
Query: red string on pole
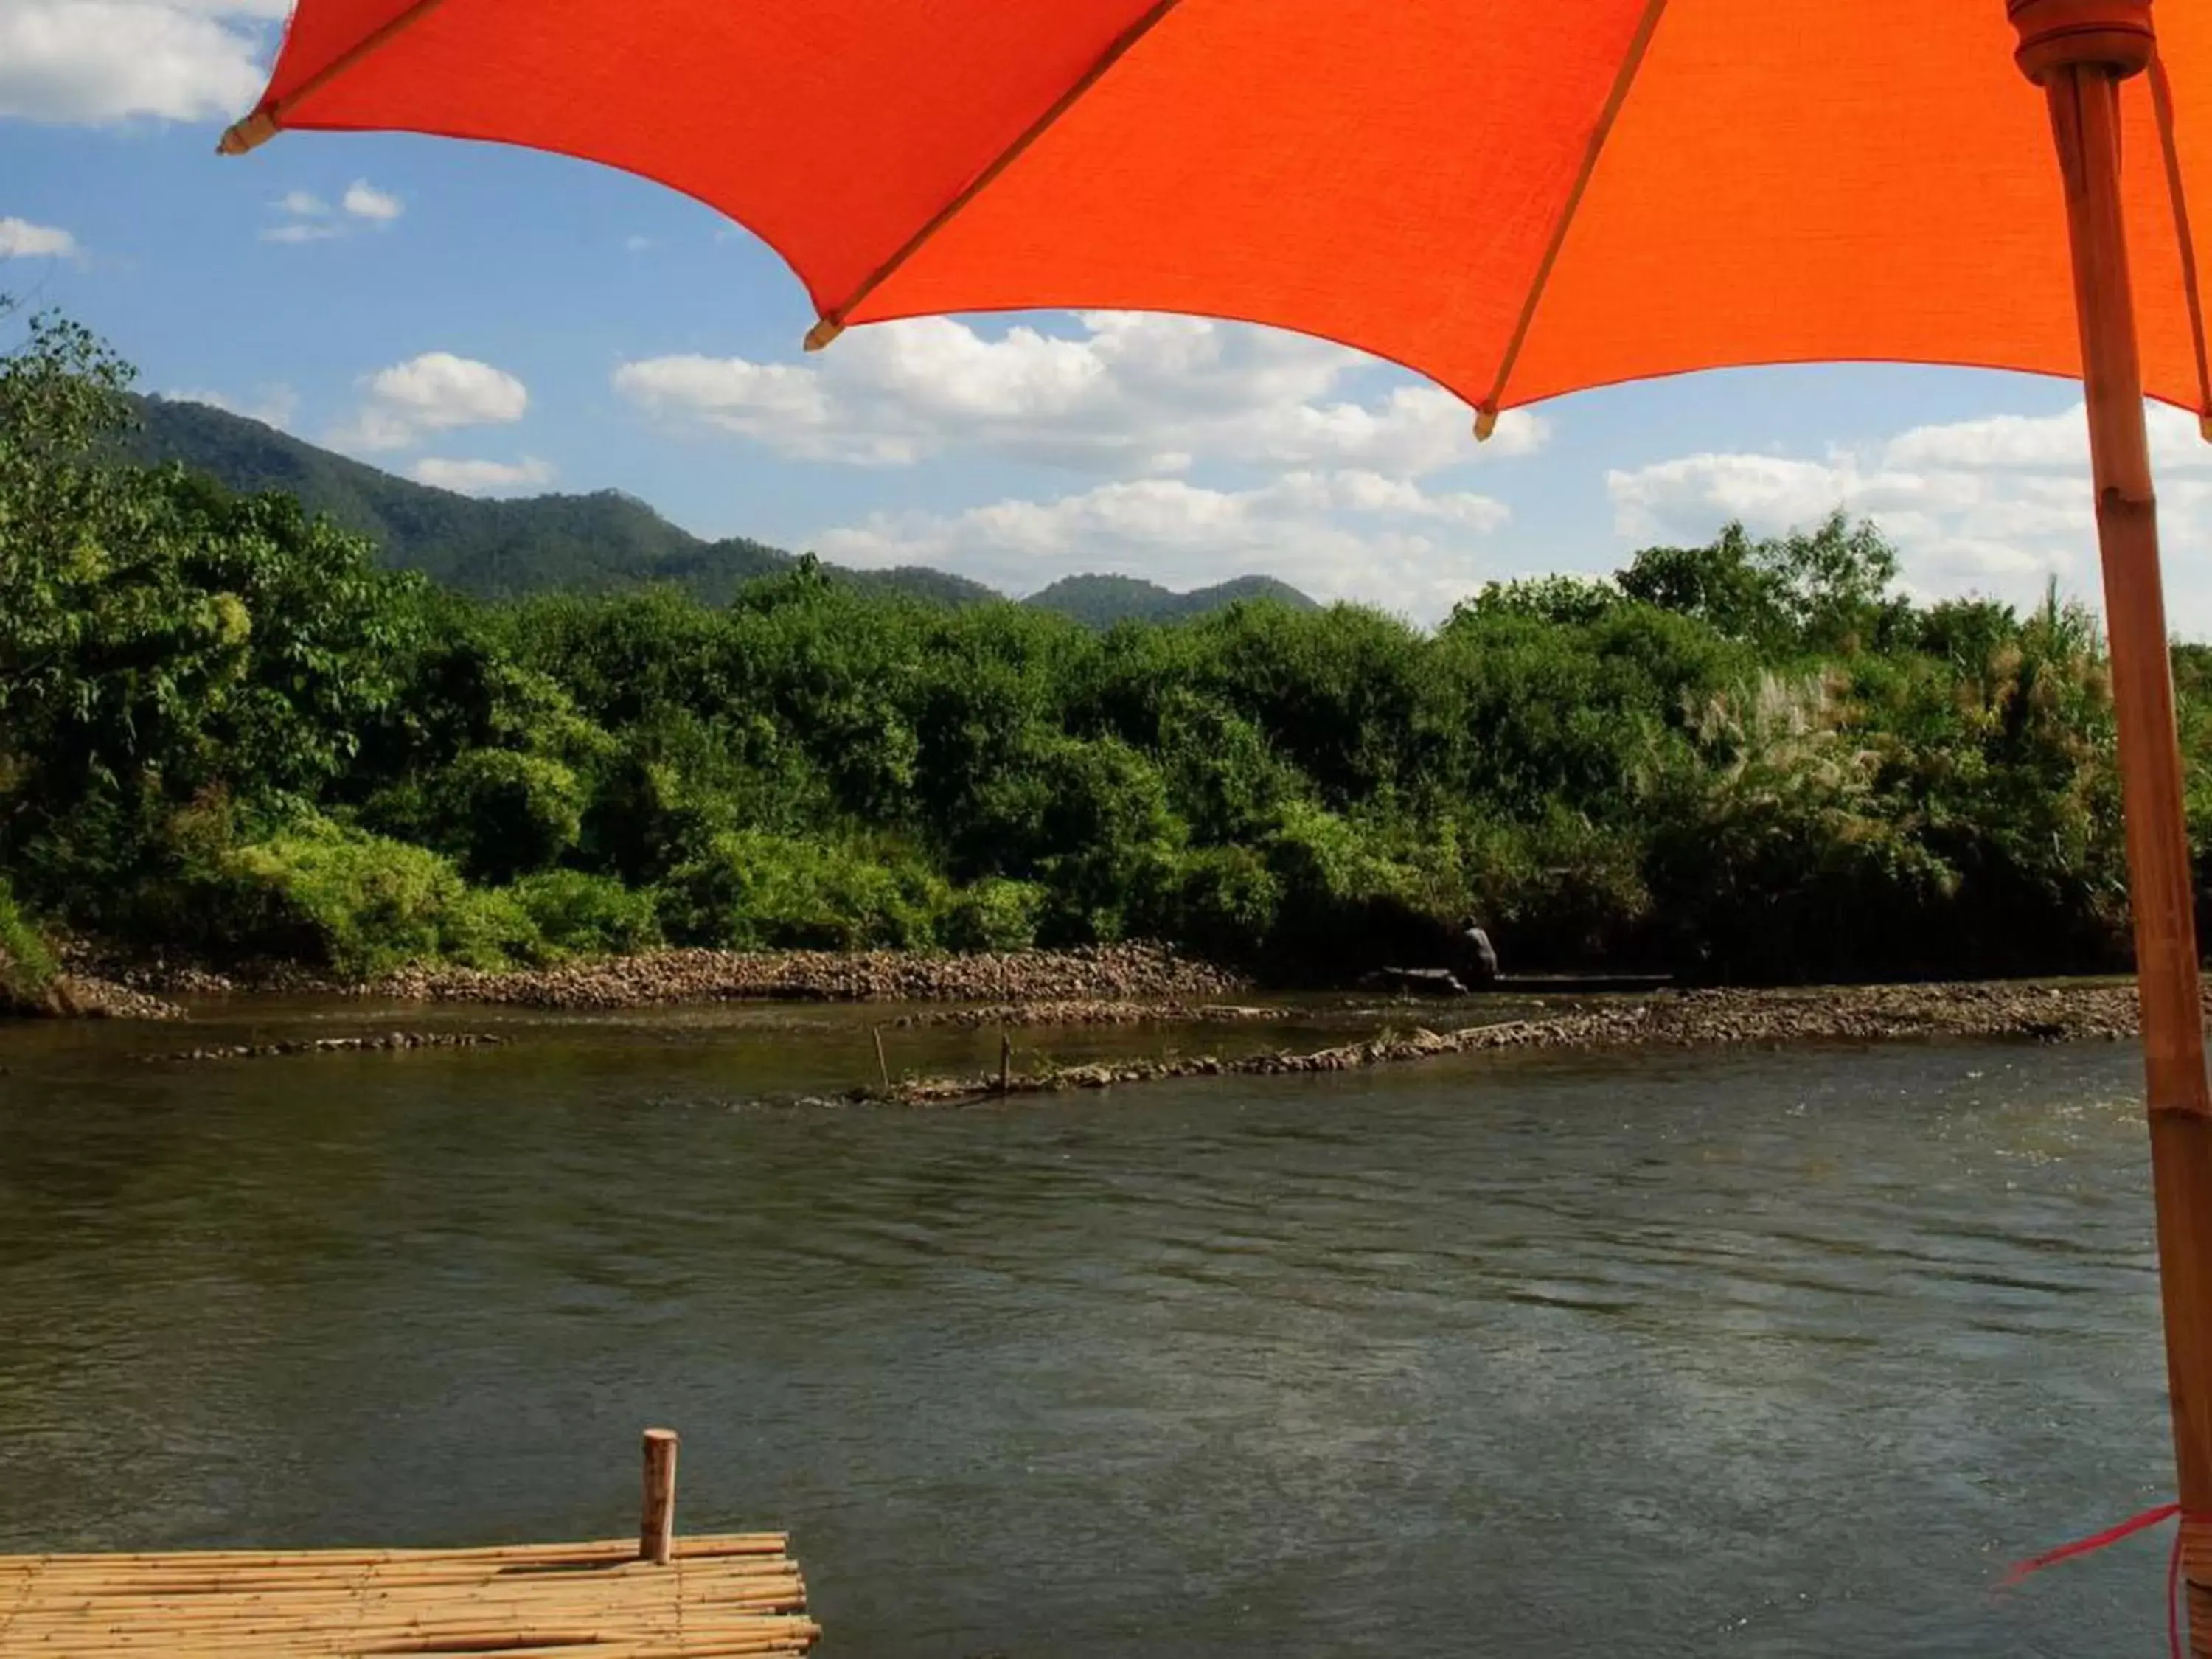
[{"x": 2110, "y": 1535}]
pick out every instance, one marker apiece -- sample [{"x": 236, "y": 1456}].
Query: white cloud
[
  {"x": 272, "y": 405},
  {"x": 306, "y": 219},
  {"x": 1342, "y": 534},
  {"x": 22, "y": 239},
  {"x": 1129, "y": 396},
  {"x": 103, "y": 60},
  {"x": 309, "y": 218},
  {"x": 434, "y": 393},
  {"x": 483, "y": 478},
  {"x": 365, "y": 201},
  {"x": 1221, "y": 450},
  {"x": 1997, "y": 506},
  {"x": 637, "y": 244}
]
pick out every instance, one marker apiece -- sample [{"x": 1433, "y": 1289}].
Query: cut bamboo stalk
[
  {"x": 597, "y": 1586},
  {"x": 307, "y": 1609},
  {"x": 534, "y": 1631},
  {"x": 656, "y": 1538}
]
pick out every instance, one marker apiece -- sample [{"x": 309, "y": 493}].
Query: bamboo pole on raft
[{"x": 656, "y": 1527}]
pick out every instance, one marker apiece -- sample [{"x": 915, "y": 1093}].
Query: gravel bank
[
  {"x": 1106, "y": 974},
  {"x": 85, "y": 996}
]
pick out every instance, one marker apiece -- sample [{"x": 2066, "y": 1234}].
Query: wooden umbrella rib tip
[
  {"x": 255, "y": 131},
  {"x": 1485, "y": 422},
  {"x": 822, "y": 333}
]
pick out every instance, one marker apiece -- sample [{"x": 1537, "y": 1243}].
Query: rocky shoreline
[
  {"x": 1123, "y": 973},
  {"x": 1126, "y": 973},
  {"x": 1133, "y": 984},
  {"x": 85, "y": 996},
  {"x": 1410, "y": 1029}
]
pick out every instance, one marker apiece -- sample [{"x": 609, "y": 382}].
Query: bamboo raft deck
[{"x": 649, "y": 1597}]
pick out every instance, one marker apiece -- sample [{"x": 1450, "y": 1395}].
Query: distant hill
[
  {"x": 493, "y": 548},
  {"x": 1102, "y": 601},
  {"x": 579, "y": 543}
]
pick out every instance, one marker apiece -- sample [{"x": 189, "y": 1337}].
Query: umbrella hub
[{"x": 2114, "y": 35}]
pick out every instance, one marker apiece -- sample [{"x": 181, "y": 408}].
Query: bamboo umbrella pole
[{"x": 2081, "y": 81}]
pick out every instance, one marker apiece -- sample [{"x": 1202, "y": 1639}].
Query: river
[{"x": 1772, "y": 1353}]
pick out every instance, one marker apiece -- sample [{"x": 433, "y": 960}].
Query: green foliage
[
  {"x": 1572, "y": 601},
  {"x": 1224, "y": 779},
  {"x": 1722, "y": 585},
  {"x": 1089, "y": 821},
  {"x": 28, "y": 966},
  {"x": 1337, "y": 888},
  {"x": 504, "y": 813},
  {"x": 1786, "y": 841},
  {"x": 1561, "y": 887},
  {"x": 1826, "y": 589},
  {"x": 358, "y": 904},
  {"x": 159, "y": 638},
  {"x": 576, "y": 914},
  {"x": 1228, "y": 903},
  {"x": 993, "y": 913},
  {"x": 222, "y": 726},
  {"x": 753, "y": 891}
]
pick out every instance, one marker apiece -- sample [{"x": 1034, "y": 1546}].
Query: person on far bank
[{"x": 1478, "y": 965}]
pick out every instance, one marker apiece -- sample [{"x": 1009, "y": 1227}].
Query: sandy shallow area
[{"x": 2040, "y": 1012}]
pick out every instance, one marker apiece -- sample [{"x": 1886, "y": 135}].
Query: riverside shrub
[
  {"x": 356, "y": 903},
  {"x": 753, "y": 891},
  {"x": 27, "y": 967},
  {"x": 994, "y": 914},
  {"x": 578, "y": 913}
]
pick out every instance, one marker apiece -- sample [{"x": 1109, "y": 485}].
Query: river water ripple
[{"x": 1761, "y": 1354}]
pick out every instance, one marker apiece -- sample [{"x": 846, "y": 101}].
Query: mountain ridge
[
  {"x": 1102, "y": 600},
  {"x": 598, "y": 541}
]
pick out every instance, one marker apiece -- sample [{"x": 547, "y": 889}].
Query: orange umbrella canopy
[{"x": 1516, "y": 199}]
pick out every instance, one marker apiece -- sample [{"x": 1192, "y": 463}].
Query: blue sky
[{"x": 507, "y": 322}]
